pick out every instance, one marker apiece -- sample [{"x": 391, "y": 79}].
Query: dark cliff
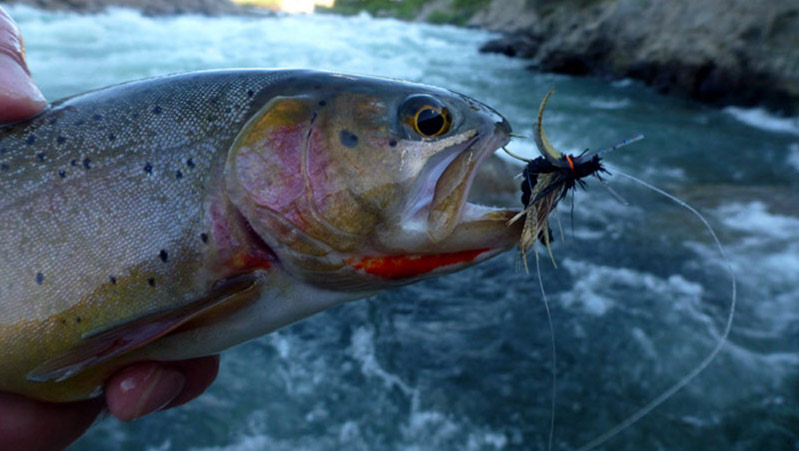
[{"x": 722, "y": 52}]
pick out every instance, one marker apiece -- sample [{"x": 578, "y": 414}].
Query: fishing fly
[{"x": 546, "y": 180}]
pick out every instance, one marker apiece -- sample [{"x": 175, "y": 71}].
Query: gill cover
[{"x": 267, "y": 185}]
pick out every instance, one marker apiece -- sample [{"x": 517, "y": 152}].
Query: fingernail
[
  {"x": 20, "y": 96},
  {"x": 16, "y": 79},
  {"x": 150, "y": 393}
]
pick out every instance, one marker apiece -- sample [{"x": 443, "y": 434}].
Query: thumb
[{"x": 19, "y": 96}]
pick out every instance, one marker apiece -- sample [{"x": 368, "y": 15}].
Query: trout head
[{"x": 359, "y": 184}]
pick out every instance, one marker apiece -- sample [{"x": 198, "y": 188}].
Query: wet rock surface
[{"x": 721, "y": 52}]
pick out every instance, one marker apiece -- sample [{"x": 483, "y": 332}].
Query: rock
[
  {"x": 520, "y": 45},
  {"x": 147, "y": 7},
  {"x": 722, "y": 52}
]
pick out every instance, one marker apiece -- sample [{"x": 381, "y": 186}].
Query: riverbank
[{"x": 719, "y": 52}]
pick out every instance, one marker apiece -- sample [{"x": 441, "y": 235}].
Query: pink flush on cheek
[
  {"x": 322, "y": 174},
  {"x": 270, "y": 170}
]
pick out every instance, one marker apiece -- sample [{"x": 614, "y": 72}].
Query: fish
[{"x": 178, "y": 216}]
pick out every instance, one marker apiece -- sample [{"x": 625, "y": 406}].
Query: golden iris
[{"x": 430, "y": 121}]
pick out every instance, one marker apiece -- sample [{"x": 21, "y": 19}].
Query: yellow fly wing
[{"x": 544, "y": 146}]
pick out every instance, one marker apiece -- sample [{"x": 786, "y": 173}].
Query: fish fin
[{"x": 101, "y": 346}]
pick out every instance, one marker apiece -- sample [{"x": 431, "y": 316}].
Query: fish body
[{"x": 175, "y": 217}]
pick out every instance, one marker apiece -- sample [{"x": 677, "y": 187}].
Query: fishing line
[
  {"x": 632, "y": 419},
  {"x": 554, "y": 353},
  {"x": 546, "y": 306}
]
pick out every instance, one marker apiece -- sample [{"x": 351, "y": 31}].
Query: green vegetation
[
  {"x": 458, "y": 12},
  {"x": 401, "y": 9}
]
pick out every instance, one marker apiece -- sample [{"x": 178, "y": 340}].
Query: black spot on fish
[
  {"x": 163, "y": 255},
  {"x": 62, "y": 174},
  {"x": 190, "y": 163},
  {"x": 250, "y": 93},
  {"x": 135, "y": 115},
  {"x": 151, "y": 282},
  {"x": 73, "y": 163},
  {"x": 30, "y": 140},
  {"x": 322, "y": 103},
  {"x": 214, "y": 100},
  {"x": 39, "y": 278},
  {"x": 348, "y": 138},
  {"x": 392, "y": 142},
  {"x": 317, "y": 87},
  {"x": 97, "y": 117},
  {"x": 156, "y": 110},
  {"x": 111, "y": 137},
  {"x": 148, "y": 168},
  {"x": 211, "y": 118},
  {"x": 63, "y": 322},
  {"x": 112, "y": 279},
  {"x": 60, "y": 140},
  {"x": 78, "y": 320},
  {"x": 4, "y": 167},
  {"x": 178, "y": 175},
  {"x": 41, "y": 156},
  {"x": 87, "y": 163},
  {"x": 3, "y": 150},
  {"x": 204, "y": 237},
  {"x": 80, "y": 122}
]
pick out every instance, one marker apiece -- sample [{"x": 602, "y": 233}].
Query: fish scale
[
  {"x": 175, "y": 217},
  {"x": 62, "y": 215}
]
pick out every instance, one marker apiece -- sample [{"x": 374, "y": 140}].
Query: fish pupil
[{"x": 430, "y": 122}]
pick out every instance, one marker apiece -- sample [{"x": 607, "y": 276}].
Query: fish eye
[
  {"x": 431, "y": 122},
  {"x": 427, "y": 116}
]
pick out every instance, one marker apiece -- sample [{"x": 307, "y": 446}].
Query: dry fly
[{"x": 546, "y": 180}]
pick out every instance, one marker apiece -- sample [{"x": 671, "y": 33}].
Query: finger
[
  {"x": 141, "y": 389},
  {"x": 19, "y": 96},
  {"x": 33, "y": 425},
  {"x": 200, "y": 374}
]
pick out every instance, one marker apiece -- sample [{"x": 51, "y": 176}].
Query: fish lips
[{"x": 449, "y": 222}]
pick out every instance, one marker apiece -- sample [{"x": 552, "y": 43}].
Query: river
[{"x": 639, "y": 297}]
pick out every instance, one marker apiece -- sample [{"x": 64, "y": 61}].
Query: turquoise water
[{"x": 463, "y": 362}]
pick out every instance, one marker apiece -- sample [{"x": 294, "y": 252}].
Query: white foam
[
  {"x": 597, "y": 287},
  {"x": 121, "y": 44},
  {"x": 362, "y": 349},
  {"x": 609, "y": 104},
  {"x": 762, "y": 119},
  {"x": 793, "y": 155},
  {"x": 754, "y": 218}
]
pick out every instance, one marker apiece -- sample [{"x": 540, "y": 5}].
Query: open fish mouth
[
  {"x": 440, "y": 207},
  {"x": 449, "y": 208}
]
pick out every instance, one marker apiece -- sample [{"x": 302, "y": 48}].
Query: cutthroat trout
[{"x": 175, "y": 217}]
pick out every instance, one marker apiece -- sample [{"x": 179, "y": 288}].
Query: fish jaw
[
  {"x": 443, "y": 231},
  {"x": 352, "y": 196}
]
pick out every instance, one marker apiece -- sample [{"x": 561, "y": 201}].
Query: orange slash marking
[
  {"x": 571, "y": 163},
  {"x": 406, "y": 266}
]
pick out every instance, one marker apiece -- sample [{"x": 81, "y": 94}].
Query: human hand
[
  {"x": 133, "y": 392},
  {"x": 19, "y": 96}
]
